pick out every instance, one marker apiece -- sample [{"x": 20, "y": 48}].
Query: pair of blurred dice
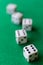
[
  {"x": 17, "y": 17},
  {"x": 30, "y": 52}
]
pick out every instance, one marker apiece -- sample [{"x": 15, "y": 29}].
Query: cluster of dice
[{"x": 30, "y": 52}]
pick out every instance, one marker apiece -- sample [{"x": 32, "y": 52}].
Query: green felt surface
[{"x": 10, "y": 52}]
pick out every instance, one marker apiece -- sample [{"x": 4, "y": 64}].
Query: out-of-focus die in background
[
  {"x": 17, "y": 18},
  {"x": 27, "y": 24},
  {"x": 11, "y": 8}
]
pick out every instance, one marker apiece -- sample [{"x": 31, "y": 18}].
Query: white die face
[
  {"x": 21, "y": 33},
  {"x": 27, "y": 27},
  {"x": 11, "y": 8},
  {"x": 21, "y": 40},
  {"x": 30, "y": 52},
  {"x": 27, "y": 24},
  {"x": 21, "y": 36}
]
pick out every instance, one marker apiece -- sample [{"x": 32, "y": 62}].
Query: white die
[
  {"x": 11, "y": 8},
  {"x": 17, "y": 18},
  {"x": 21, "y": 36},
  {"x": 30, "y": 52},
  {"x": 27, "y": 24}
]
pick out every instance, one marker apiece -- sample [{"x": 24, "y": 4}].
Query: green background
[{"x": 10, "y": 52}]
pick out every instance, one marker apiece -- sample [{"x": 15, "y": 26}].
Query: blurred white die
[
  {"x": 27, "y": 24},
  {"x": 11, "y": 8},
  {"x": 17, "y": 18},
  {"x": 30, "y": 52},
  {"x": 21, "y": 36}
]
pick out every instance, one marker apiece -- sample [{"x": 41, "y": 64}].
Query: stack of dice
[{"x": 30, "y": 52}]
